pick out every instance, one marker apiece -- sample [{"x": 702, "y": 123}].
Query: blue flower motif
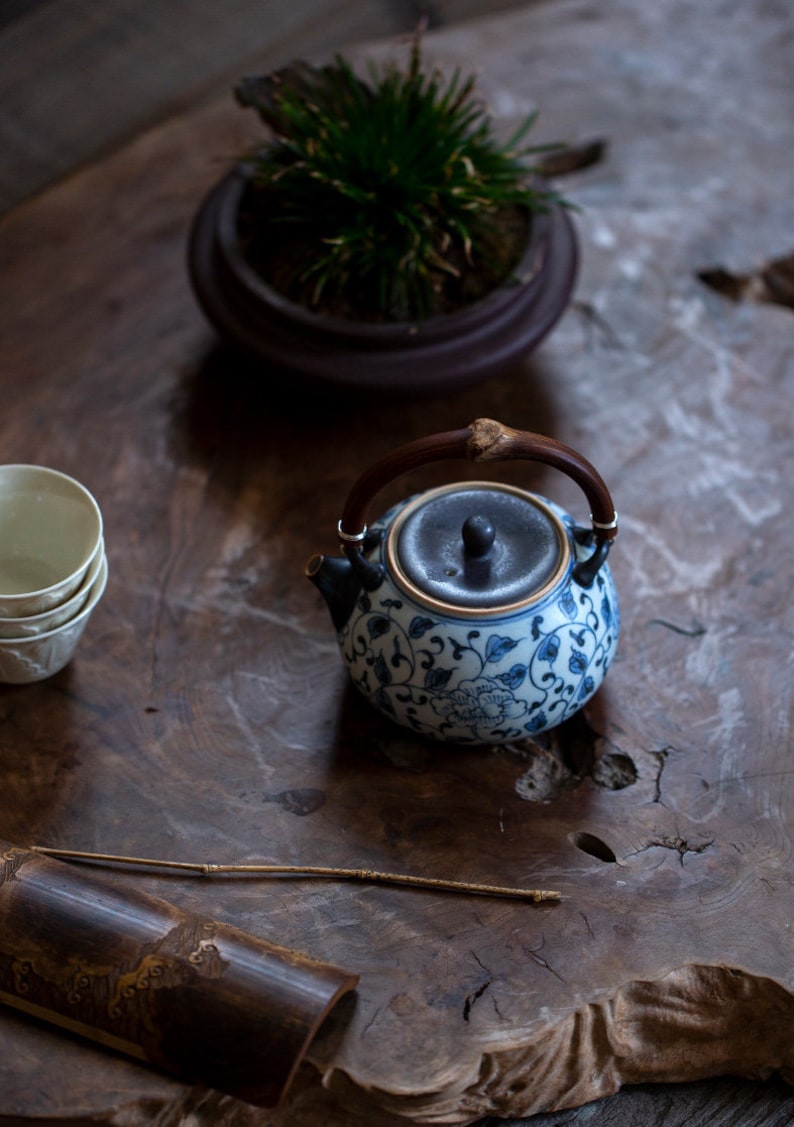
[
  {"x": 381, "y": 700},
  {"x": 497, "y": 647},
  {"x": 436, "y": 679},
  {"x": 549, "y": 649},
  {"x": 420, "y": 626},
  {"x": 567, "y": 604},
  {"x": 514, "y": 676},
  {"x": 377, "y": 625},
  {"x": 588, "y": 686},
  {"x": 381, "y": 670},
  {"x": 537, "y": 723},
  {"x": 577, "y": 663},
  {"x": 479, "y": 704}
]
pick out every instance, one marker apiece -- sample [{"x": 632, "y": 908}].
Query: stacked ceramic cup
[{"x": 53, "y": 569}]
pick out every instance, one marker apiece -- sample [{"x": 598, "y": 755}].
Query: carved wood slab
[{"x": 206, "y": 715}]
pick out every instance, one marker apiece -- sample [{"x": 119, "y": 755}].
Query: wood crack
[
  {"x": 534, "y": 954},
  {"x": 472, "y": 998},
  {"x": 696, "y": 630},
  {"x": 661, "y": 763},
  {"x": 678, "y": 844}
]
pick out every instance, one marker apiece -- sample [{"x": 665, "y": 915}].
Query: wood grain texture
[
  {"x": 207, "y": 713},
  {"x": 717, "y": 1103}
]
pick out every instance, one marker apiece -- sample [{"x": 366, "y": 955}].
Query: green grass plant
[{"x": 385, "y": 192}]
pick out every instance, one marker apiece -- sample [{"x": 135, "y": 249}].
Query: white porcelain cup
[
  {"x": 32, "y": 659},
  {"x": 32, "y": 624},
  {"x": 50, "y": 531}
]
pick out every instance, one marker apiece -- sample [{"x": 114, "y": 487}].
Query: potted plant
[{"x": 383, "y": 236}]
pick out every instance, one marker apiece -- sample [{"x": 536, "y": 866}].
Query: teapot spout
[{"x": 337, "y": 582}]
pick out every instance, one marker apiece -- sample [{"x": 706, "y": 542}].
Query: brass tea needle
[{"x": 201, "y": 868}]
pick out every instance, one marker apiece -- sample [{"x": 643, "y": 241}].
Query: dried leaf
[
  {"x": 773, "y": 282},
  {"x": 573, "y": 158}
]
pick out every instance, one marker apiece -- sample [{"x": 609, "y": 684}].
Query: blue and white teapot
[{"x": 476, "y": 612}]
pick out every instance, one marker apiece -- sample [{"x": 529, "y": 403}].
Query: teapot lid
[{"x": 477, "y": 548}]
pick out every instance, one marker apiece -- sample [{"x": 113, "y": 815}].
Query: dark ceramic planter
[{"x": 444, "y": 352}]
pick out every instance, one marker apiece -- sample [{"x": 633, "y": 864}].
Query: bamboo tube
[{"x": 194, "y": 997}]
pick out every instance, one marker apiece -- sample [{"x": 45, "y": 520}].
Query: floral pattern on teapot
[{"x": 501, "y": 679}]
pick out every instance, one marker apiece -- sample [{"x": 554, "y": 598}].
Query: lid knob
[{"x": 478, "y": 536}]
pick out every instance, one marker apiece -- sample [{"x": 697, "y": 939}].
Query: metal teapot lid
[{"x": 477, "y": 548}]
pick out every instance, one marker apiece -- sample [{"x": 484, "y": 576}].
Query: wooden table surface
[{"x": 206, "y": 715}]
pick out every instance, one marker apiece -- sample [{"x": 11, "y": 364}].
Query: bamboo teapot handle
[{"x": 485, "y": 440}]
